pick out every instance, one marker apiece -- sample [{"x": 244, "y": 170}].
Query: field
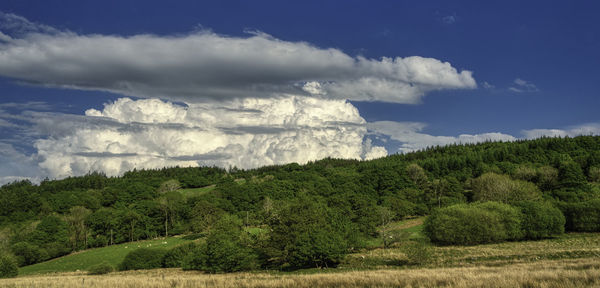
[
  {"x": 572, "y": 260},
  {"x": 544, "y": 273},
  {"x": 82, "y": 260}
]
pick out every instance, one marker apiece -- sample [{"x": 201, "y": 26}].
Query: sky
[{"x": 110, "y": 86}]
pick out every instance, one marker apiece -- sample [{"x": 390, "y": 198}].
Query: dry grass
[{"x": 545, "y": 273}]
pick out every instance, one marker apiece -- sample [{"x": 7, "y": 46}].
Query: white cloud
[
  {"x": 487, "y": 85},
  {"x": 410, "y": 138},
  {"x": 523, "y": 86},
  {"x": 245, "y": 133},
  {"x": 585, "y": 129},
  {"x": 208, "y": 66}
]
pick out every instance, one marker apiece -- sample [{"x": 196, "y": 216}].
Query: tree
[
  {"x": 386, "y": 216},
  {"x": 103, "y": 224},
  {"x": 547, "y": 178},
  {"x": 305, "y": 233},
  {"x": 495, "y": 187},
  {"x": 594, "y": 174},
  {"x": 8, "y": 267},
  {"x": 417, "y": 175},
  {"x": 226, "y": 249},
  {"x": 169, "y": 186},
  {"x": 130, "y": 219},
  {"x": 76, "y": 219}
]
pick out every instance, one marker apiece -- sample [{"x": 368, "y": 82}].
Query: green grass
[{"x": 112, "y": 255}]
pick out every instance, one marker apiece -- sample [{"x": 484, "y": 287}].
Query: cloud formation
[
  {"x": 523, "y": 86},
  {"x": 248, "y": 133},
  {"x": 409, "y": 135},
  {"x": 207, "y": 66},
  {"x": 585, "y": 129}
]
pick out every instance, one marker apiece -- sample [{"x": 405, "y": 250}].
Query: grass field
[
  {"x": 572, "y": 260},
  {"x": 544, "y": 273},
  {"x": 84, "y": 259}
]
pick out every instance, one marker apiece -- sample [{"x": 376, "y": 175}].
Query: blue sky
[{"x": 533, "y": 63}]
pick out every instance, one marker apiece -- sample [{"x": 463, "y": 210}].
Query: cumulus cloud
[
  {"x": 411, "y": 139},
  {"x": 247, "y": 133},
  {"x": 585, "y": 129},
  {"x": 523, "y": 86},
  {"x": 207, "y": 66}
]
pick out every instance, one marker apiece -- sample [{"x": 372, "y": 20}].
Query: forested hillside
[{"x": 295, "y": 216}]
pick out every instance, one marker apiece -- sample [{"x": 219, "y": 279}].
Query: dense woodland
[{"x": 312, "y": 215}]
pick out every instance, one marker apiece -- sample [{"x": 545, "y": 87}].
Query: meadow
[
  {"x": 544, "y": 273},
  {"x": 571, "y": 260},
  {"x": 82, "y": 260}
]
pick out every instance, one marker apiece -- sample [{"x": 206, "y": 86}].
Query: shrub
[
  {"x": 27, "y": 254},
  {"x": 511, "y": 218},
  {"x": 8, "y": 267},
  {"x": 175, "y": 256},
  {"x": 541, "y": 220},
  {"x": 143, "y": 258},
  {"x": 417, "y": 252},
  {"x": 469, "y": 224},
  {"x": 100, "y": 269}
]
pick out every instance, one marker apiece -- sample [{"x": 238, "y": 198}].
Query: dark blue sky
[
  {"x": 535, "y": 62},
  {"x": 552, "y": 44}
]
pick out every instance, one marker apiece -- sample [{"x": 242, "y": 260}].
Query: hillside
[{"x": 295, "y": 210}]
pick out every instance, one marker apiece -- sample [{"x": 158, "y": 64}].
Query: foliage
[
  {"x": 101, "y": 269},
  {"x": 113, "y": 255},
  {"x": 143, "y": 258},
  {"x": 494, "y": 187},
  {"x": 582, "y": 216},
  {"x": 27, "y": 254},
  {"x": 304, "y": 233},
  {"x": 8, "y": 267},
  {"x": 225, "y": 250},
  {"x": 145, "y": 204},
  {"x": 175, "y": 256},
  {"x": 418, "y": 252},
  {"x": 541, "y": 220},
  {"x": 469, "y": 224}
]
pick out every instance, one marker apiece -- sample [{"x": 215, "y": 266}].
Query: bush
[
  {"x": 8, "y": 267},
  {"x": 100, "y": 269},
  {"x": 582, "y": 216},
  {"x": 541, "y": 220},
  {"x": 469, "y": 224},
  {"x": 511, "y": 218},
  {"x": 27, "y": 254},
  {"x": 175, "y": 256},
  {"x": 417, "y": 252},
  {"x": 143, "y": 258}
]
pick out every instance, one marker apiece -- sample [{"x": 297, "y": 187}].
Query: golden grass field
[{"x": 544, "y": 273}]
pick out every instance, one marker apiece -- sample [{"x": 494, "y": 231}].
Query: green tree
[
  {"x": 8, "y": 267},
  {"x": 226, "y": 249},
  {"x": 304, "y": 233},
  {"x": 76, "y": 219},
  {"x": 496, "y": 187}
]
